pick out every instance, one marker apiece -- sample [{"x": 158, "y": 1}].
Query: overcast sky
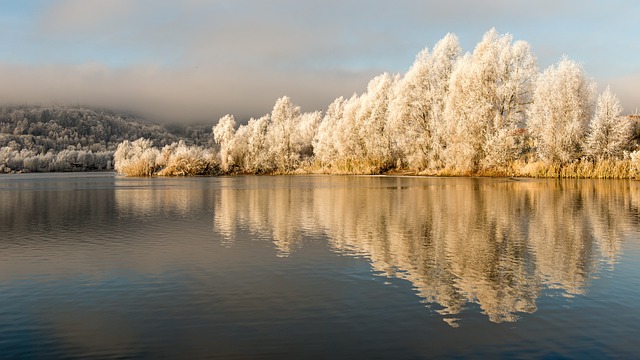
[{"x": 199, "y": 60}]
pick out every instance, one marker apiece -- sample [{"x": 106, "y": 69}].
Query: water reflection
[
  {"x": 277, "y": 208},
  {"x": 93, "y": 265},
  {"x": 59, "y": 225},
  {"x": 497, "y": 243},
  {"x": 148, "y": 197}
]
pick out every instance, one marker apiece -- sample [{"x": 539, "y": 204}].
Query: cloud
[
  {"x": 196, "y": 60},
  {"x": 71, "y": 16},
  {"x": 195, "y": 94},
  {"x": 201, "y": 59}
]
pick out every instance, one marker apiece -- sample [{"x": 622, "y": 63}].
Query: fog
[
  {"x": 199, "y": 60},
  {"x": 196, "y": 94}
]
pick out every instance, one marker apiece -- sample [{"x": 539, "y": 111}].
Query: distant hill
[
  {"x": 56, "y": 128},
  {"x": 59, "y": 138}
]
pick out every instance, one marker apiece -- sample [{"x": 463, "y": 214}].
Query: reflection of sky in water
[{"x": 253, "y": 265}]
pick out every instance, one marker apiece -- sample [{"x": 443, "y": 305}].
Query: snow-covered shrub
[
  {"x": 179, "y": 159},
  {"x": 136, "y": 158}
]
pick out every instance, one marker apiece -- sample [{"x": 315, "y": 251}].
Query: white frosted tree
[
  {"x": 609, "y": 133},
  {"x": 223, "y": 135},
  {"x": 516, "y": 69},
  {"x": 324, "y": 143},
  {"x": 281, "y": 134},
  {"x": 464, "y": 113},
  {"x": 375, "y": 137},
  {"x": 238, "y": 153},
  {"x": 560, "y": 111},
  {"x": 253, "y": 136},
  {"x": 348, "y": 143},
  {"x": 417, "y": 109},
  {"x": 305, "y": 133},
  {"x": 353, "y": 136},
  {"x": 490, "y": 92}
]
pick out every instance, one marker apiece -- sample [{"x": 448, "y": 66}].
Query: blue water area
[{"x": 101, "y": 266}]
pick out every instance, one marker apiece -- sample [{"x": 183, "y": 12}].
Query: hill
[{"x": 57, "y": 138}]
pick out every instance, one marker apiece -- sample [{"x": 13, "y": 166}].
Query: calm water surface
[{"x": 99, "y": 266}]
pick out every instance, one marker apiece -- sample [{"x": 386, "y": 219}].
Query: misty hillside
[
  {"x": 57, "y": 138},
  {"x": 56, "y": 128}
]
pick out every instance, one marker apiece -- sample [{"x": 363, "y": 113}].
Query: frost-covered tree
[
  {"x": 374, "y": 134},
  {"x": 464, "y": 113},
  {"x": 305, "y": 133},
  {"x": 324, "y": 143},
  {"x": 516, "y": 70},
  {"x": 609, "y": 133},
  {"x": 281, "y": 134},
  {"x": 560, "y": 111},
  {"x": 354, "y": 135},
  {"x": 257, "y": 145},
  {"x": 490, "y": 92},
  {"x": 417, "y": 109},
  {"x": 239, "y": 152},
  {"x": 223, "y": 135},
  {"x": 250, "y": 150},
  {"x": 337, "y": 144},
  {"x": 348, "y": 142}
]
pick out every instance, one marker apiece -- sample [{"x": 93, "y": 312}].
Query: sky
[{"x": 197, "y": 60}]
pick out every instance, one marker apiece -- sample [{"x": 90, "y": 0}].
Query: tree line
[
  {"x": 486, "y": 112},
  {"x": 491, "y": 111}
]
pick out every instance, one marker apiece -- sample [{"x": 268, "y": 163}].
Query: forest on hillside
[
  {"x": 486, "y": 112},
  {"x": 58, "y": 138}
]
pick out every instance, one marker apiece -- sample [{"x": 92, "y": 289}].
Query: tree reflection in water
[{"x": 494, "y": 242}]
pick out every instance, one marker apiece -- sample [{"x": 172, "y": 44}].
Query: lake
[{"x": 96, "y": 265}]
